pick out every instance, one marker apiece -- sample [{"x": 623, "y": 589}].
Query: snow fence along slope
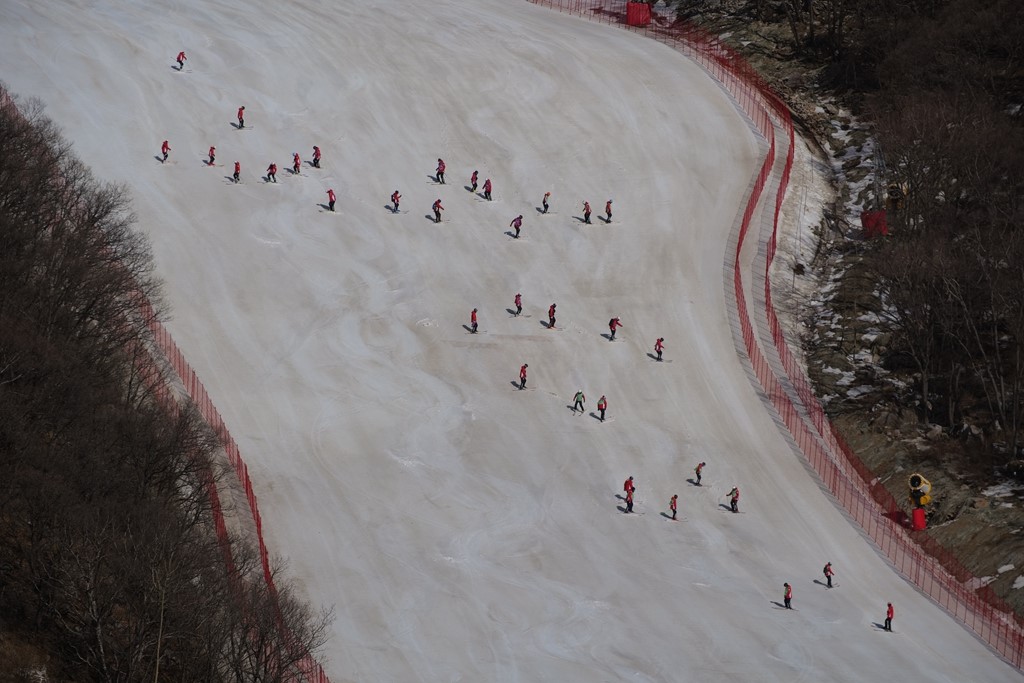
[
  {"x": 548, "y": 584},
  {"x": 916, "y": 555}
]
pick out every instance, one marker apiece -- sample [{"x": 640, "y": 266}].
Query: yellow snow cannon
[{"x": 920, "y": 490}]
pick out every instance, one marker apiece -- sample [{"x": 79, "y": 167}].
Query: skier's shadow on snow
[
  {"x": 778, "y": 604},
  {"x": 571, "y": 407},
  {"x": 596, "y": 416},
  {"x": 467, "y": 328},
  {"x": 510, "y": 311},
  {"x": 606, "y": 336},
  {"x": 540, "y": 209},
  {"x": 666, "y": 515},
  {"x": 581, "y": 219},
  {"x": 652, "y": 356},
  {"x": 467, "y": 188},
  {"x": 514, "y": 383},
  {"x": 606, "y": 220},
  {"x": 229, "y": 177},
  {"x": 429, "y": 217},
  {"x": 545, "y": 324},
  {"x": 880, "y": 627},
  {"x": 325, "y": 207},
  {"x": 235, "y": 125},
  {"x": 311, "y": 164},
  {"x": 620, "y": 496},
  {"x": 725, "y": 507},
  {"x": 437, "y": 181},
  {"x": 821, "y": 583},
  {"x": 481, "y": 195},
  {"x": 159, "y": 158},
  {"x": 692, "y": 481},
  {"x": 390, "y": 207},
  {"x": 511, "y": 234}
]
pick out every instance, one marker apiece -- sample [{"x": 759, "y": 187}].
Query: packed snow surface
[{"x": 463, "y": 529}]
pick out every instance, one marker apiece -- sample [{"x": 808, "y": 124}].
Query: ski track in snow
[{"x": 464, "y": 530}]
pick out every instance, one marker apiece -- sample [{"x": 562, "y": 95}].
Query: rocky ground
[{"x": 977, "y": 513}]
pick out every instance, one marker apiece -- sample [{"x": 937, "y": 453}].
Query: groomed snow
[{"x": 464, "y": 530}]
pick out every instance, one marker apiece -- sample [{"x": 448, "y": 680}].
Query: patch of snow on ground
[
  {"x": 1004, "y": 490},
  {"x": 1018, "y": 582}
]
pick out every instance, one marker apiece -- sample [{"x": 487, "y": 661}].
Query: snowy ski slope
[{"x": 465, "y": 530}]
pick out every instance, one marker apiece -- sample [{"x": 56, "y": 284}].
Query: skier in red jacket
[
  {"x": 181, "y": 60},
  {"x": 472, "y": 321},
  {"x": 551, "y": 317},
  {"x": 440, "y": 171},
  {"x": 613, "y": 325},
  {"x": 472, "y": 180},
  {"x": 437, "y": 210},
  {"x": 213, "y": 155},
  {"x": 602, "y": 405},
  {"x": 296, "y": 163},
  {"x": 629, "y": 488},
  {"x": 608, "y": 211},
  {"x": 522, "y": 376},
  {"x": 889, "y": 614},
  {"x": 516, "y": 223},
  {"x": 487, "y": 189},
  {"x": 659, "y": 346},
  {"x": 165, "y": 148},
  {"x": 586, "y": 212},
  {"x": 330, "y": 199},
  {"x": 241, "y": 118},
  {"x": 316, "y": 156},
  {"x": 272, "y": 173},
  {"x": 394, "y": 200},
  {"x": 787, "y": 597},
  {"x": 698, "y": 470},
  {"x": 673, "y": 504},
  {"x": 519, "y": 303},
  {"x": 238, "y": 172},
  {"x": 734, "y": 499}
]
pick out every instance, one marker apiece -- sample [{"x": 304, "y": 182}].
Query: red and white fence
[{"x": 916, "y": 555}]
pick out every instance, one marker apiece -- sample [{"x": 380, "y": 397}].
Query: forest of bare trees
[
  {"x": 110, "y": 569},
  {"x": 942, "y": 82}
]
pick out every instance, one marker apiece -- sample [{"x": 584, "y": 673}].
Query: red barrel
[
  {"x": 638, "y": 13},
  {"x": 918, "y": 520}
]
